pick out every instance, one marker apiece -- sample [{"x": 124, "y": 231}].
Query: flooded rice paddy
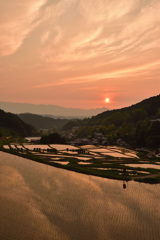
[
  {"x": 154, "y": 166},
  {"x": 114, "y": 152},
  {"x": 83, "y": 158},
  {"x": 63, "y": 146},
  {"x": 84, "y": 163},
  {"x": 60, "y": 162},
  {"x": 40, "y": 202}
]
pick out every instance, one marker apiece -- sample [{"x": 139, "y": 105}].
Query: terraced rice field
[{"x": 116, "y": 158}]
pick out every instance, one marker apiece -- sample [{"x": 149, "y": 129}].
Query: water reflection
[{"x": 41, "y": 202}]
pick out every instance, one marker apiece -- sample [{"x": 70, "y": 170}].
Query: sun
[{"x": 107, "y": 100}]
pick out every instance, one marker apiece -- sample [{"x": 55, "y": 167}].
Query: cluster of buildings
[{"x": 97, "y": 139}]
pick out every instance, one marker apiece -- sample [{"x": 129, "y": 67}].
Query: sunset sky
[{"x": 77, "y": 53}]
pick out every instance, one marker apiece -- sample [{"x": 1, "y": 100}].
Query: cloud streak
[{"x": 19, "y": 23}]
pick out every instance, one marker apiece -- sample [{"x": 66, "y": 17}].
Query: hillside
[
  {"x": 150, "y": 106},
  {"x": 137, "y": 125},
  {"x": 40, "y": 122},
  {"x": 12, "y": 125}
]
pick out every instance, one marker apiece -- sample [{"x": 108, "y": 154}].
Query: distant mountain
[
  {"x": 41, "y": 122},
  {"x": 54, "y": 110},
  {"x": 12, "y": 125}
]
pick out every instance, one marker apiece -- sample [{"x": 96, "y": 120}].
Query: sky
[{"x": 77, "y": 53}]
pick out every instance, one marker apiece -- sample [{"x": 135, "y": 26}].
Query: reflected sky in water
[{"x": 41, "y": 202}]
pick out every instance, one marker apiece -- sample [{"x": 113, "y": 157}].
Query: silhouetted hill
[
  {"x": 137, "y": 125},
  {"x": 12, "y": 125},
  {"x": 150, "y": 106},
  {"x": 49, "y": 110},
  {"x": 40, "y": 122}
]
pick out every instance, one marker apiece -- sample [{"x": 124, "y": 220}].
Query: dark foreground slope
[{"x": 12, "y": 125}]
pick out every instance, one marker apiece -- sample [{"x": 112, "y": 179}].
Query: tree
[
  {"x": 138, "y": 114},
  {"x": 52, "y": 138}
]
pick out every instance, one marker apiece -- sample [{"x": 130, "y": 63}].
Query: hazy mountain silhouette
[
  {"x": 41, "y": 122},
  {"x": 56, "y": 111}
]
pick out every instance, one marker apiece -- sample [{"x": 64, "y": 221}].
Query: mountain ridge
[
  {"x": 149, "y": 104},
  {"x": 54, "y": 110},
  {"x": 42, "y": 122},
  {"x": 137, "y": 125}
]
